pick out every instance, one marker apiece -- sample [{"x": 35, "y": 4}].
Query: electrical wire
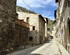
[{"x": 28, "y": 5}]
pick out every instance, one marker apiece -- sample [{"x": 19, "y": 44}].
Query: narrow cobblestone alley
[
  {"x": 34, "y": 27},
  {"x": 51, "y": 48}
]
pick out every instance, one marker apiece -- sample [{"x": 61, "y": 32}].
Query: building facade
[
  {"x": 37, "y": 27},
  {"x": 7, "y": 25},
  {"x": 46, "y": 26},
  {"x": 62, "y": 23},
  {"x": 21, "y": 30}
]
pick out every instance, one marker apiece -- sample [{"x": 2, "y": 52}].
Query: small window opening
[
  {"x": 27, "y": 20},
  {"x": 66, "y": 47},
  {"x": 33, "y": 27},
  {"x": 30, "y": 38},
  {"x": 48, "y": 29}
]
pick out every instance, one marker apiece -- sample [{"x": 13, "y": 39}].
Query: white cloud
[
  {"x": 47, "y": 14},
  {"x": 36, "y": 3}
]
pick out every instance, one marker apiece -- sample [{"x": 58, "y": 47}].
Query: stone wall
[
  {"x": 41, "y": 29},
  {"x": 7, "y": 25},
  {"x": 21, "y": 36},
  {"x": 46, "y": 26},
  {"x": 62, "y": 23},
  {"x": 66, "y": 20},
  {"x": 36, "y": 21}
]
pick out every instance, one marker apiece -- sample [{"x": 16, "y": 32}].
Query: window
[
  {"x": 48, "y": 29},
  {"x": 30, "y": 38},
  {"x": 33, "y": 27},
  {"x": 66, "y": 47},
  {"x": 27, "y": 20}
]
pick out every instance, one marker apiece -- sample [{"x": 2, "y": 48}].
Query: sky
[{"x": 44, "y": 7}]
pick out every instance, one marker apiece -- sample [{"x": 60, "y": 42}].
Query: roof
[
  {"x": 42, "y": 18},
  {"x": 22, "y": 23},
  {"x": 46, "y": 20},
  {"x": 27, "y": 13}
]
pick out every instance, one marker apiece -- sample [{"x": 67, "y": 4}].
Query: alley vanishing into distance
[
  {"x": 50, "y": 48},
  {"x": 26, "y": 32}
]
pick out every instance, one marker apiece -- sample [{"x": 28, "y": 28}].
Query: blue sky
[{"x": 44, "y": 7}]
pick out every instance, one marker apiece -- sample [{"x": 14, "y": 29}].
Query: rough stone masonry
[{"x": 7, "y": 25}]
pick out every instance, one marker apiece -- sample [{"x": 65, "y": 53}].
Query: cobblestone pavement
[{"x": 51, "y": 48}]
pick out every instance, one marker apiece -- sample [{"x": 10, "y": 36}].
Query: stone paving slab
[{"x": 62, "y": 49}]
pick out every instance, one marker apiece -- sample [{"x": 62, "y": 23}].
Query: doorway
[{"x": 69, "y": 25}]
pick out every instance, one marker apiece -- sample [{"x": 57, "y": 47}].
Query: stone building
[
  {"x": 62, "y": 23},
  {"x": 46, "y": 27},
  {"x": 37, "y": 27},
  {"x": 7, "y": 25},
  {"x": 21, "y": 30}
]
